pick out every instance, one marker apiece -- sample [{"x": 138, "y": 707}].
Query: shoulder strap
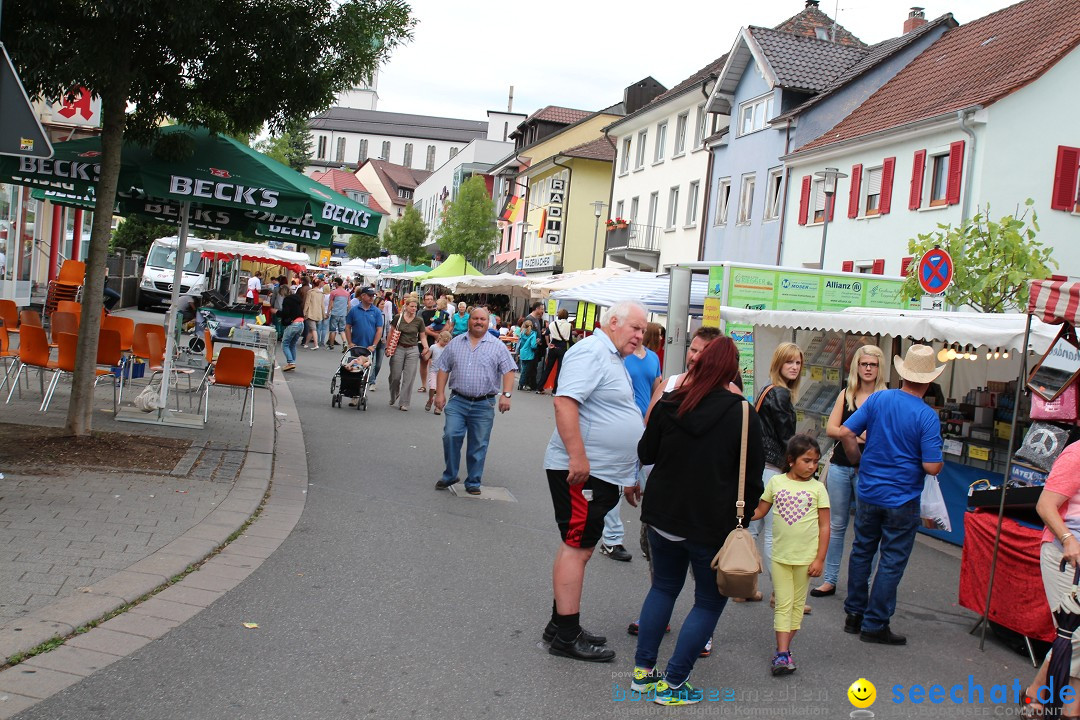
[
  {"x": 740, "y": 506},
  {"x": 558, "y": 330},
  {"x": 761, "y": 398}
]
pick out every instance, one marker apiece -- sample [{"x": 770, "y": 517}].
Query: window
[
  {"x": 624, "y": 161},
  {"x": 775, "y": 194},
  {"x": 661, "y": 141},
  {"x": 654, "y": 206},
  {"x": 322, "y": 147},
  {"x": 619, "y": 209},
  {"x": 633, "y": 210},
  {"x": 699, "y": 132},
  {"x": 339, "y": 153},
  {"x": 746, "y": 199},
  {"x": 404, "y": 193},
  {"x": 407, "y": 160},
  {"x": 723, "y": 194},
  {"x": 939, "y": 180},
  {"x": 872, "y": 205},
  {"x": 429, "y": 165},
  {"x": 385, "y": 155},
  {"x": 673, "y": 208},
  {"x": 691, "y": 203},
  {"x": 453, "y": 152},
  {"x": 362, "y": 157},
  {"x": 754, "y": 114},
  {"x": 639, "y": 161},
  {"x": 817, "y": 192},
  {"x": 680, "y": 134}
]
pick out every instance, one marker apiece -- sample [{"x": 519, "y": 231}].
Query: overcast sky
[{"x": 581, "y": 53}]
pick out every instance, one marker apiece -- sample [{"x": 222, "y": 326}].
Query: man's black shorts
[{"x": 581, "y": 522}]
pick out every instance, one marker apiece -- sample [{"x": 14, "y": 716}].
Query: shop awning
[
  {"x": 543, "y": 287},
  {"x": 993, "y": 330},
  {"x": 293, "y": 260},
  {"x": 1055, "y": 301},
  {"x": 649, "y": 288},
  {"x": 501, "y": 284}
]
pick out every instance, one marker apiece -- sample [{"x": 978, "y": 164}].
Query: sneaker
[
  {"x": 645, "y": 679},
  {"x": 685, "y": 694},
  {"x": 781, "y": 664},
  {"x": 632, "y": 629},
  {"x": 371, "y": 387},
  {"x": 615, "y": 552},
  {"x": 708, "y": 648}
]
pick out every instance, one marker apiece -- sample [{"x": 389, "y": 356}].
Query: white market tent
[
  {"x": 649, "y": 288},
  {"x": 411, "y": 275},
  {"x": 500, "y": 284},
  {"x": 356, "y": 267},
  {"x": 543, "y": 287},
  {"x": 248, "y": 251}
]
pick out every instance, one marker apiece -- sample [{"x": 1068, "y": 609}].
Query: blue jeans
[
  {"x": 380, "y": 355},
  {"x": 613, "y": 526},
  {"x": 670, "y": 560},
  {"x": 841, "y": 486},
  {"x": 322, "y": 330},
  {"x": 890, "y": 532},
  {"x": 289, "y": 340},
  {"x": 764, "y": 523},
  {"x": 474, "y": 418}
]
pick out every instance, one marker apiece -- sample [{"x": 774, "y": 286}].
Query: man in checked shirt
[{"x": 475, "y": 364}]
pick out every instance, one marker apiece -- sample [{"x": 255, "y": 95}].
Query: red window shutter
[
  {"x": 1064, "y": 194},
  {"x": 804, "y": 200},
  {"x": 918, "y": 168},
  {"x": 879, "y": 267},
  {"x": 830, "y": 206},
  {"x": 853, "y": 198},
  {"x": 905, "y": 263},
  {"x": 956, "y": 172},
  {"x": 847, "y": 266},
  {"x": 888, "y": 169}
]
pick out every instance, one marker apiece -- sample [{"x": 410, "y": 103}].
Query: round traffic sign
[{"x": 935, "y": 271}]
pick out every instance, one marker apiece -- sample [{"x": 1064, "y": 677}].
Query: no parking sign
[{"x": 935, "y": 271}]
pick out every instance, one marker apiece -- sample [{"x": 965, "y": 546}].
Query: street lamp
[
  {"x": 828, "y": 176},
  {"x": 598, "y": 210}
]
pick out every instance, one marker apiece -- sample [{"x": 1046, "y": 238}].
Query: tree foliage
[
  {"x": 291, "y": 147},
  {"x": 363, "y": 246},
  {"x": 229, "y": 66},
  {"x": 136, "y": 234},
  {"x": 993, "y": 260},
  {"x": 405, "y": 236},
  {"x": 468, "y": 227}
]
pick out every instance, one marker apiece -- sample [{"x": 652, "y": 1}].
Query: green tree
[
  {"x": 468, "y": 227},
  {"x": 292, "y": 146},
  {"x": 993, "y": 260},
  {"x": 229, "y": 66},
  {"x": 363, "y": 246},
  {"x": 136, "y": 234},
  {"x": 405, "y": 236}
]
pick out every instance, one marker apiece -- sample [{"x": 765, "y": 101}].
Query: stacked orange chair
[{"x": 67, "y": 285}]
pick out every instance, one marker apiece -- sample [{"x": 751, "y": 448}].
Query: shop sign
[
  {"x": 553, "y": 223},
  {"x": 884, "y": 294},
  {"x": 798, "y": 292},
  {"x": 838, "y": 293},
  {"x": 752, "y": 287},
  {"x": 711, "y": 316},
  {"x": 78, "y": 107},
  {"x": 743, "y": 335},
  {"x": 538, "y": 262}
]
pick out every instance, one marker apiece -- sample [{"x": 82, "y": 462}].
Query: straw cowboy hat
[{"x": 918, "y": 365}]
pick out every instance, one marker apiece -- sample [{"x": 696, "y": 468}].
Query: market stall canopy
[
  {"x": 232, "y": 249},
  {"x": 993, "y": 330},
  {"x": 1055, "y": 301},
  {"x": 356, "y": 267},
  {"x": 453, "y": 266},
  {"x": 543, "y": 287},
  {"x": 410, "y": 275},
  {"x": 651, "y": 289},
  {"x": 406, "y": 268},
  {"x": 501, "y": 284}
]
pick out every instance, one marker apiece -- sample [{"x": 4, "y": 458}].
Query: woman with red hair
[{"x": 693, "y": 439}]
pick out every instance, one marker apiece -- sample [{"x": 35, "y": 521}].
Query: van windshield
[{"x": 165, "y": 257}]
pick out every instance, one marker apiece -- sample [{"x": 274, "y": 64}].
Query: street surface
[{"x": 392, "y": 600}]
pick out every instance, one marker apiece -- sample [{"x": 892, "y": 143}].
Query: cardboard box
[{"x": 1001, "y": 429}]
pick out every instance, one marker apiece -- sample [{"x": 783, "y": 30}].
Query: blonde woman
[
  {"x": 776, "y": 410},
  {"x": 864, "y": 378}
]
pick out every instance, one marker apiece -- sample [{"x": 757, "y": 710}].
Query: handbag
[
  {"x": 738, "y": 563},
  {"x": 392, "y": 341}
]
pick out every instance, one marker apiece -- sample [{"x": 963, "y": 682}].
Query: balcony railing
[{"x": 634, "y": 236}]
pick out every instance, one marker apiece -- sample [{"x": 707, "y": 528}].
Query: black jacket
[
  {"x": 292, "y": 307},
  {"x": 694, "y": 485},
  {"x": 777, "y": 416}
]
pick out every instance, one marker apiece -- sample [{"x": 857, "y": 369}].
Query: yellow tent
[{"x": 453, "y": 266}]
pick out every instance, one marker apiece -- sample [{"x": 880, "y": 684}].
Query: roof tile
[
  {"x": 807, "y": 21},
  {"x": 602, "y": 148},
  {"x": 557, "y": 114},
  {"x": 341, "y": 180},
  {"x": 805, "y": 63}
]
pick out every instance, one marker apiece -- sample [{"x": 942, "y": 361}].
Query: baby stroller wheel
[
  {"x": 335, "y": 396},
  {"x": 363, "y": 403}
]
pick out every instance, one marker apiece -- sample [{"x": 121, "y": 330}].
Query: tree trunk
[{"x": 81, "y": 407}]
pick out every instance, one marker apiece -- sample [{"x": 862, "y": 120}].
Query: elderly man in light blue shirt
[{"x": 591, "y": 456}]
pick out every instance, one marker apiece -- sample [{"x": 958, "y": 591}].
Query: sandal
[
  {"x": 427, "y": 406},
  {"x": 1030, "y": 707},
  {"x": 422, "y": 389}
]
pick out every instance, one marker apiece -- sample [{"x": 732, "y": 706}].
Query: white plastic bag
[
  {"x": 933, "y": 505},
  {"x": 149, "y": 399}
]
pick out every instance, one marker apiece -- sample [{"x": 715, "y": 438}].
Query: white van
[{"x": 155, "y": 289}]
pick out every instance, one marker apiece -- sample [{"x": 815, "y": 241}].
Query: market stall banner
[
  {"x": 1055, "y": 301},
  {"x": 759, "y": 288}
]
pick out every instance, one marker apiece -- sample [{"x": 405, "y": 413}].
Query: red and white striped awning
[{"x": 1055, "y": 301}]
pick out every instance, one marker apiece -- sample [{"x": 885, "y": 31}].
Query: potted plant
[{"x": 616, "y": 224}]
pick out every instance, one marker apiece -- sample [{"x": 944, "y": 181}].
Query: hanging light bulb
[
  {"x": 1005, "y": 354},
  {"x": 973, "y": 353},
  {"x": 997, "y": 353},
  {"x": 943, "y": 354},
  {"x": 989, "y": 353},
  {"x": 951, "y": 353}
]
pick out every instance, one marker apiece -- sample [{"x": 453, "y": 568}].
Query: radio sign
[{"x": 553, "y": 227}]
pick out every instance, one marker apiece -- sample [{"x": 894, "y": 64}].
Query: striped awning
[{"x": 1055, "y": 301}]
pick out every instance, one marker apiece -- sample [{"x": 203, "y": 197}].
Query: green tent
[
  {"x": 453, "y": 266},
  {"x": 405, "y": 267}
]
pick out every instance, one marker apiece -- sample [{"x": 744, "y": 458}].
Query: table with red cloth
[{"x": 1018, "y": 601}]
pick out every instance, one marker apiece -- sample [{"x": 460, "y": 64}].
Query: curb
[{"x": 43, "y": 675}]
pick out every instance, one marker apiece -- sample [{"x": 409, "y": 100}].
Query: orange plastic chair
[
  {"x": 139, "y": 347},
  {"x": 72, "y": 272},
  {"x": 64, "y": 322},
  {"x": 235, "y": 367},
  {"x": 9, "y": 313},
  {"x": 69, "y": 306},
  {"x": 8, "y": 356},
  {"x": 109, "y": 357},
  {"x": 29, "y": 317},
  {"x": 156, "y": 363},
  {"x": 68, "y": 346},
  {"x": 34, "y": 353},
  {"x": 124, "y": 326}
]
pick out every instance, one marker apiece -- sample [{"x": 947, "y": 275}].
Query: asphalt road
[{"x": 394, "y": 600}]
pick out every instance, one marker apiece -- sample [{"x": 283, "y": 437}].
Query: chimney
[
  {"x": 916, "y": 18},
  {"x": 812, "y": 3}
]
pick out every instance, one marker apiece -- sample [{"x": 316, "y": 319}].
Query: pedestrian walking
[
  {"x": 864, "y": 378},
  {"x": 313, "y": 313},
  {"x": 292, "y": 318},
  {"x": 903, "y": 446},
  {"x": 460, "y": 320},
  {"x": 801, "y": 539},
  {"x": 527, "y": 354},
  {"x": 427, "y": 314},
  {"x": 478, "y": 369},
  {"x": 694, "y": 440},
  {"x": 436, "y": 352},
  {"x": 339, "y": 308},
  {"x": 323, "y": 326},
  {"x": 364, "y": 328},
  {"x": 591, "y": 456},
  {"x": 559, "y": 341},
  {"x": 403, "y": 364}
]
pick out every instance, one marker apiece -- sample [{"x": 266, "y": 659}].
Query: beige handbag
[{"x": 738, "y": 563}]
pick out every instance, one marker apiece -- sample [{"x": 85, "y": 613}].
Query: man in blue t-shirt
[
  {"x": 364, "y": 327},
  {"x": 903, "y": 446}
]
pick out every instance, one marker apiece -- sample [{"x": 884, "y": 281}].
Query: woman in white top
[{"x": 559, "y": 334}]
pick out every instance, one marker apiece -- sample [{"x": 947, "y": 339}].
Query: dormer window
[
  {"x": 822, "y": 33},
  {"x": 404, "y": 194},
  {"x": 360, "y": 197}
]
